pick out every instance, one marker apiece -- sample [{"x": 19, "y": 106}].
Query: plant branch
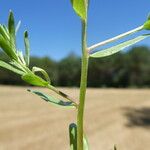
[
  {"x": 62, "y": 94},
  {"x": 115, "y": 38}
]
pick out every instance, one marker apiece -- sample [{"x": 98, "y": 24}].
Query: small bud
[{"x": 146, "y": 25}]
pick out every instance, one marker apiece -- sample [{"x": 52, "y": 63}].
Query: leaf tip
[
  {"x": 80, "y": 7},
  {"x": 72, "y": 125},
  {"x": 11, "y": 15},
  {"x": 10, "y": 11},
  {"x": 26, "y": 34}
]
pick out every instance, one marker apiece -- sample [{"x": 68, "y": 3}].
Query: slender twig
[
  {"x": 115, "y": 38},
  {"x": 83, "y": 85},
  {"x": 63, "y": 95}
]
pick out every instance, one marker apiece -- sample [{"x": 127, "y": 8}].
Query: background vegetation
[{"x": 130, "y": 69}]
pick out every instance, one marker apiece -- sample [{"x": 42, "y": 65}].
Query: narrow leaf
[
  {"x": 27, "y": 48},
  {"x": 17, "y": 65},
  {"x": 34, "y": 80},
  {"x": 80, "y": 8},
  {"x": 53, "y": 100},
  {"x": 119, "y": 47},
  {"x": 20, "y": 55},
  {"x": 37, "y": 69},
  {"x": 85, "y": 143},
  {"x": 6, "y": 29},
  {"x": 17, "y": 27},
  {"x": 11, "y": 28},
  {"x": 10, "y": 67},
  {"x": 73, "y": 136},
  {"x": 4, "y": 33},
  {"x": 5, "y": 46}
]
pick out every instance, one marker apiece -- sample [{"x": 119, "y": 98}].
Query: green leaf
[
  {"x": 37, "y": 69},
  {"x": 20, "y": 55},
  {"x": 11, "y": 29},
  {"x": 85, "y": 143},
  {"x": 11, "y": 68},
  {"x": 34, "y": 80},
  {"x": 17, "y": 27},
  {"x": 4, "y": 33},
  {"x": 53, "y": 100},
  {"x": 27, "y": 48},
  {"x": 73, "y": 136},
  {"x": 6, "y": 29},
  {"x": 17, "y": 65},
  {"x": 146, "y": 25},
  {"x": 119, "y": 47},
  {"x": 7, "y": 48},
  {"x": 80, "y": 8}
]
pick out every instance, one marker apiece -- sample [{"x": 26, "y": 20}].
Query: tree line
[{"x": 128, "y": 69}]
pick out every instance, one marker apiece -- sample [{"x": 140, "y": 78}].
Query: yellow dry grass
[{"x": 113, "y": 116}]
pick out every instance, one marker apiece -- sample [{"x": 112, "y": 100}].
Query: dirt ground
[{"x": 113, "y": 116}]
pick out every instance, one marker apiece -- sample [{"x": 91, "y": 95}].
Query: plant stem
[
  {"x": 115, "y": 38},
  {"x": 83, "y": 85}
]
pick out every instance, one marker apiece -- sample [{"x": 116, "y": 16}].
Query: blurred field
[{"x": 113, "y": 116}]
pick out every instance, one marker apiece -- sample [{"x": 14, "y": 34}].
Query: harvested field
[{"x": 113, "y": 116}]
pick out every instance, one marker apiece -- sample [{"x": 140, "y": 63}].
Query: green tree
[
  {"x": 138, "y": 62},
  {"x": 70, "y": 67}
]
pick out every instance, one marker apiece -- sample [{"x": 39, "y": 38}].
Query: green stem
[{"x": 83, "y": 85}]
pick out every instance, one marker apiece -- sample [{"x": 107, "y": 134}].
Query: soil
[{"x": 118, "y": 117}]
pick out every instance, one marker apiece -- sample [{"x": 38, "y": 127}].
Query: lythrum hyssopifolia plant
[{"x": 19, "y": 63}]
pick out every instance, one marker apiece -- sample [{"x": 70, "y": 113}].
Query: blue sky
[{"x": 55, "y": 29}]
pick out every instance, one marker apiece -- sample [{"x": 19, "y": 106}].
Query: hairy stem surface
[{"x": 83, "y": 85}]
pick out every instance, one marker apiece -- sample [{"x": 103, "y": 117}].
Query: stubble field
[{"x": 113, "y": 116}]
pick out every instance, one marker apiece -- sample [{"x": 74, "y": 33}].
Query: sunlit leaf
[
  {"x": 20, "y": 55},
  {"x": 11, "y": 68},
  {"x": 5, "y": 46},
  {"x": 34, "y": 80},
  {"x": 6, "y": 29},
  {"x": 11, "y": 28},
  {"x": 17, "y": 27},
  {"x": 80, "y": 8},
  {"x": 73, "y": 136},
  {"x": 147, "y": 25},
  {"x": 4, "y": 33},
  {"x": 27, "y": 48},
  {"x": 85, "y": 143},
  {"x": 119, "y": 47},
  {"x": 37, "y": 69},
  {"x": 53, "y": 100},
  {"x": 17, "y": 65}
]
